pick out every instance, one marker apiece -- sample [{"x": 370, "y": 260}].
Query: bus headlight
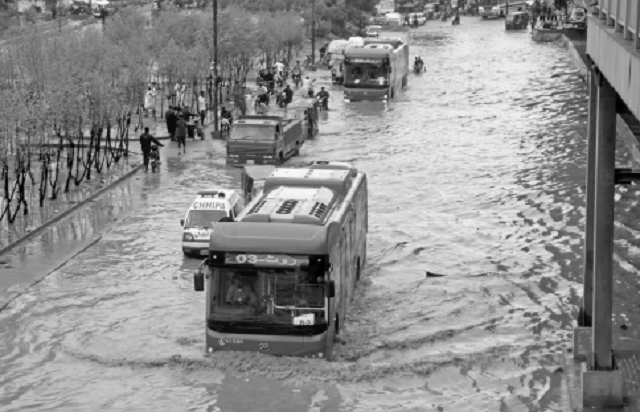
[{"x": 187, "y": 236}]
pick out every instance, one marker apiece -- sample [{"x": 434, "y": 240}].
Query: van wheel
[{"x": 281, "y": 158}]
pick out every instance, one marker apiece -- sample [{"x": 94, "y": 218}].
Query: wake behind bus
[{"x": 279, "y": 279}]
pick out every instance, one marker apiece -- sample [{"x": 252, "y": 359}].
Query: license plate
[
  {"x": 204, "y": 252},
  {"x": 250, "y": 162}
]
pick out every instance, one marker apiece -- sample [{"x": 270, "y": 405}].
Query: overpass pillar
[
  {"x": 602, "y": 383},
  {"x": 582, "y": 333}
]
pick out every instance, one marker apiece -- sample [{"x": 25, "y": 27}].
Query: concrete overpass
[{"x": 613, "y": 49}]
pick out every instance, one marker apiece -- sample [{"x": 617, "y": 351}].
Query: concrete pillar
[
  {"x": 610, "y": 21},
  {"x": 587, "y": 267},
  {"x": 603, "y": 226},
  {"x": 616, "y": 21},
  {"x": 627, "y": 19},
  {"x": 602, "y": 386},
  {"x": 637, "y": 39},
  {"x": 582, "y": 334}
]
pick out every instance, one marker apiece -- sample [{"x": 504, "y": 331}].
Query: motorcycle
[
  {"x": 281, "y": 100},
  {"x": 444, "y": 17},
  {"x": 307, "y": 61},
  {"x": 455, "y": 20},
  {"x": 154, "y": 158},
  {"x": 296, "y": 76},
  {"x": 322, "y": 102},
  {"x": 418, "y": 67}
]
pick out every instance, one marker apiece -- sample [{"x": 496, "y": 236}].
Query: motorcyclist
[
  {"x": 323, "y": 96},
  {"x": 307, "y": 85},
  {"x": 418, "y": 64},
  {"x": 456, "y": 18},
  {"x": 296, "y": 73},
  {"x": 406, "y": 20},
  {"x": 289, "y": 95},
  {"x": 269, "y": 80},
  {"x": 415, "y": 21},
  {"x": 146, "y": 141}
]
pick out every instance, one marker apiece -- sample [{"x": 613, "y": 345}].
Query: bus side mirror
[
  {"x": 181, "y": 222},
  {"x": 198, "y": 281},
  {"x": 330, "y": 289}
]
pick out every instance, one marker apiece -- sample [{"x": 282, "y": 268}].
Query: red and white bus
[{"x": 279, "y": 279}]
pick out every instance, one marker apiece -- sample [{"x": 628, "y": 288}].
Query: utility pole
[
  {"x": 506, "y": 13},
  {"x": 313, "y": 32},
  {"x": 215, "y": 66}
]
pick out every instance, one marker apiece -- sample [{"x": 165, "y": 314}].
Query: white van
[
  {"x": 394, "y": 19},
  {"x": 206, "y": 210},
  {"x": 422, "y": 18}
]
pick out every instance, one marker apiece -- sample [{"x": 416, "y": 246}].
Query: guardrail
[{"x": 624, "y": 15}]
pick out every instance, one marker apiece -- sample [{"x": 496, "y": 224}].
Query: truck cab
[{"x": 264, "y": 140}]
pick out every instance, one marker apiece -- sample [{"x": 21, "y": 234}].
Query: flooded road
[{"x": 476, "y": 172}]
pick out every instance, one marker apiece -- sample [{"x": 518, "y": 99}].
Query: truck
[
  {"x": 266, "y": 140},
  {"x": 377, "y": 70},
  {"x": 279, "y": 279}
]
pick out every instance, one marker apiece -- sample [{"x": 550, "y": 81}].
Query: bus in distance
[
  {"x": 377, "y": 70},
  {"x": 278, "y": 280}
]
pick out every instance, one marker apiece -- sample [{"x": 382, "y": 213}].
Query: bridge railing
[{"x": 624, "y": 16}]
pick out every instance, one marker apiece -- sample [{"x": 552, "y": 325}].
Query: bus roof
[
  {"x": 259, "y": 120},
  {"x": 269, "y": 238},
  {"x": 331, "y": 176}
]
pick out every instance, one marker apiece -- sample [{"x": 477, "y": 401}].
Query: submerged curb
[{"x": 70, "y": 210}]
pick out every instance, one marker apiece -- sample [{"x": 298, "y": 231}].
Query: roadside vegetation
[{"x": 67, "y": 98}]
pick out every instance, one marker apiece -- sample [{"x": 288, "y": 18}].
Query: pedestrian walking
[
  {"x": 149, "y": 102},
  {"x": 239, "y": 100},
  {"x": 202, "y": 107},
  {"x": 171, "y": 118},
  {"x": 181, "y": 134},
  {"x": 145, "y": 145}
]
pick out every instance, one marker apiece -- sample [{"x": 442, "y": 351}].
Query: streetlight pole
[
  {"x": 313, "y": 32},
  {"x": 215, "y": 66}
]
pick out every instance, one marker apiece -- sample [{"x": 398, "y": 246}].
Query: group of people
[{"x": 268, "y": 81}]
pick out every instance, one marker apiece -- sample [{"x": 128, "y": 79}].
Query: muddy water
[{"x": 476, "y": 173}]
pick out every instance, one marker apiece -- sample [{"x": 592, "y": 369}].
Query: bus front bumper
[
  {"x": 357, "y": 95},
  {"x": 304, "y": 346}
]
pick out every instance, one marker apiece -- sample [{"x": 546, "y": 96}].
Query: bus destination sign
[
  {"x": 364, "y": 60},
  {"x": 264, "y": 260}
]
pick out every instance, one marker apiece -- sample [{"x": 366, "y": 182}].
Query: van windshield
[
  {"x": 253, "y": 132},
  {"x": 204, "y": 218}
]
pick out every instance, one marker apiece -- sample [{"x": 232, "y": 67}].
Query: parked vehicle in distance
[
  {"x": 422, "y": 18},
  {"x": 379, "y": 20},
  {"x": 578, "y": 17},
  {"x": 517, "y": 21},
  {"x": 490, "y": 8},
  {"x": 432, "y": 11},
  {"x": 394, "y": 19},
  {"x": 372, "y": 31}
]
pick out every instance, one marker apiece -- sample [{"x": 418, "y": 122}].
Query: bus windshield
[
  {"x": 266, "y": 296},
  {"x": 253, "y": 132},
  {"x": 204, "y": 218},
  {"x": 367, "y": 74}
]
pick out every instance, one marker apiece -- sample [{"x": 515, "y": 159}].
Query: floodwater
[{"x": 476, "y": 172}]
